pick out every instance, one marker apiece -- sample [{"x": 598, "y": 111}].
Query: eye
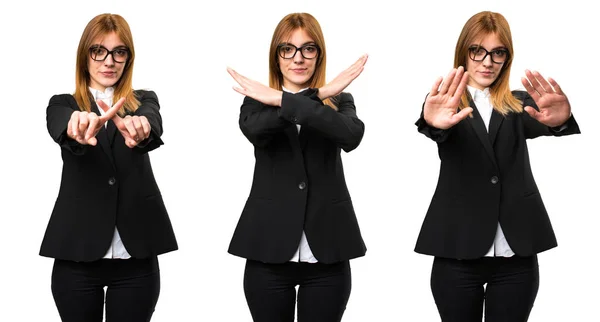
[
  {"x": 287, "y": 49},
  {"x": 500, "y": 53},
  {"x": 120, "y": 52},
  {"x": 310, "y": 49},
  {"x": 98, "y": 51}
]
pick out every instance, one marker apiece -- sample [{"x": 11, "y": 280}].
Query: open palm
[
  {"x": 554, "y": 107},
  {"x": 440, "y": 110}
]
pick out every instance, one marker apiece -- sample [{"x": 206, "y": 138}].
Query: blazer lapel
[
  {"x": 495, "y": 123},
  {"x": 103, "y": 137},
  {"x": 303, "y": 138},
  {"x": 294, "y": 138},
  {"x": 477, "y": 123}
]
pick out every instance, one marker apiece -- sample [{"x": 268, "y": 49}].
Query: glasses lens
[
  {"x": 287, "y": 51},
  {"x": 499, "y": 56},
  {"x": 477, "y": 53},
  {"x": 120, "y": 55},
  {"x": 310, "y": 51},
  {"x": 98, "y": 53}
]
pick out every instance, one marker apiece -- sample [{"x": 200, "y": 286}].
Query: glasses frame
[
  {"x": 487, "y": 53},
  {"x": 298, "y": 49},
  {"x": 109, "y": 52}
]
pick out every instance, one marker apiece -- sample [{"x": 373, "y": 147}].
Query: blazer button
[
  {"x": 494, "y": 180},
  {"x": 302, "y": 185},
  {"x": 112, "y": 181}
]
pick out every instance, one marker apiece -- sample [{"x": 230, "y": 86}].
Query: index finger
[
  {"x": 235, "y": 75},
  {"x": 109, "y": 113}
]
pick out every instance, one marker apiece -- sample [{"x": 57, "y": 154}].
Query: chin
[{"x": 485, "y": 83}]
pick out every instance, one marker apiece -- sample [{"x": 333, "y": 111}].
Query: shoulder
[
  {"x": 62, "y": 99},
  {"x": 524, "y": 98},
  {"x": 520, "y": 94},
  {"x": 144, "y": 93}
]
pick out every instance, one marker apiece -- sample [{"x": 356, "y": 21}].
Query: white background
[{"x": 205, "y": 168}]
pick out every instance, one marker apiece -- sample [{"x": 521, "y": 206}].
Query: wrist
[{"x": 322, "y": 93}]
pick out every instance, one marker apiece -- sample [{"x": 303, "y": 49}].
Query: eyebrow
[
  {"x": 119, "y": 46},
  {"x": 495, "y": 48},
  {"x": 304, "y": 44}
]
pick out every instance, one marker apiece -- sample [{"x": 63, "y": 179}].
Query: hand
[
  {"x": 83, "y": 126},
  {"x": 256, "y": 90},
  {"x": 134, "y": 129},
  {"x": 442, "y": 102},
  {"x": 338, "y": 84},
  {"x": 554, "y": 107}
]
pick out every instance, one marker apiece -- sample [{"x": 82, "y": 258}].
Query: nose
[
  {"x": 487, "y": 61},
  {"x": 298, "y": 58},
  {"x": 109, "y": 61}
]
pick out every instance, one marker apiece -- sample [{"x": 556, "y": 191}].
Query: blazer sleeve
[
  {"x": 58, "y": 114},
  {"x": 533, "y": 128},
  {"x": 342, "y": 126},
  {"x": 437, "y": 135},
  {"x": 259, "y": 122},
  {"x": 150, "y": 108}
]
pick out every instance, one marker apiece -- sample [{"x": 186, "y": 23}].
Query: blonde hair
[
  {"x": 99, "y": 26},
  {"x": 478, "y": 26},
  {"x": 282, "y": 32}
]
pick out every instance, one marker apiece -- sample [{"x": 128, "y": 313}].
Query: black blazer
[
  {"x": 106, "y": 185},
  {"x": 299, "y": 180},
  {"x": 485, "y": 179}
]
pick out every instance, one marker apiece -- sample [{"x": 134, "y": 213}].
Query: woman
[
  {"x": 486, "y": 221},
  {"x": 109, "y": 222},
  {"x": 298, "y": 226}
]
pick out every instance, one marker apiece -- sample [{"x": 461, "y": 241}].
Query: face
[
  {"x": 483, "y": 73},
  {"x": 298, "y": 70},
  {"x": 107, "y": 72}
]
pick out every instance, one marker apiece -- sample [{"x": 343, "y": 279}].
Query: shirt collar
[
  {"x": 478, "y": 94},
  {"x": 98, "y": 94},
  {"x": 287, "y": 90}
]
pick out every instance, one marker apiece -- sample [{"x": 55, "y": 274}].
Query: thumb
[
  {"x": 462, "y": 114},
  {"x": 533, "y": 112}
]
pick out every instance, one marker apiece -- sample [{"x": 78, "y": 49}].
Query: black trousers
[
  {"x": 323, "y": 291},
  {"x": 132, "y": 290},
  {"x": 511, "y": 287}
]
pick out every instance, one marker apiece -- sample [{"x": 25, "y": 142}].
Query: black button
[
  {"x": 302, "y": 185},
  {"x": 494, "y": 180},
  {"x": 112, "y": 181}
]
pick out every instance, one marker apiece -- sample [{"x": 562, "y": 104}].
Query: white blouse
[
  {"x": 500, "y": 247},
  {"x": 116, "y": 250},
  {"x": 303, "y": 253}
]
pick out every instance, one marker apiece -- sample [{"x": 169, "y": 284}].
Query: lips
[
  {"x": 487, "y": 74},
  {"x": 108, "y": 74},
  {"x": 299, "y": 70}
]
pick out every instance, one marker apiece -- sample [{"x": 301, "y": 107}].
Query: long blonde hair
[
  {"x": 479, "y": 25},
  {"x": 284, "y": 29},
  {"x": 101, "y": 25}
]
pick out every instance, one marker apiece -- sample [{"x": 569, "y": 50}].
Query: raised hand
[
  {"x": 134, "y": 129},
  {"x": 440, "y": 110},
  {"x": 340, "y": 82},
  {"x": 554, "y": 107},
  {"x": 256, "y": 90},
  {"x": 83, "y": 126}
]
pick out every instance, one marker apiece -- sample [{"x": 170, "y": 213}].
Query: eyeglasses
[
  {"x": 478, "y": 54},
  {"x": 100, "y": 53},
  {"x": 288, "y": 51}
]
